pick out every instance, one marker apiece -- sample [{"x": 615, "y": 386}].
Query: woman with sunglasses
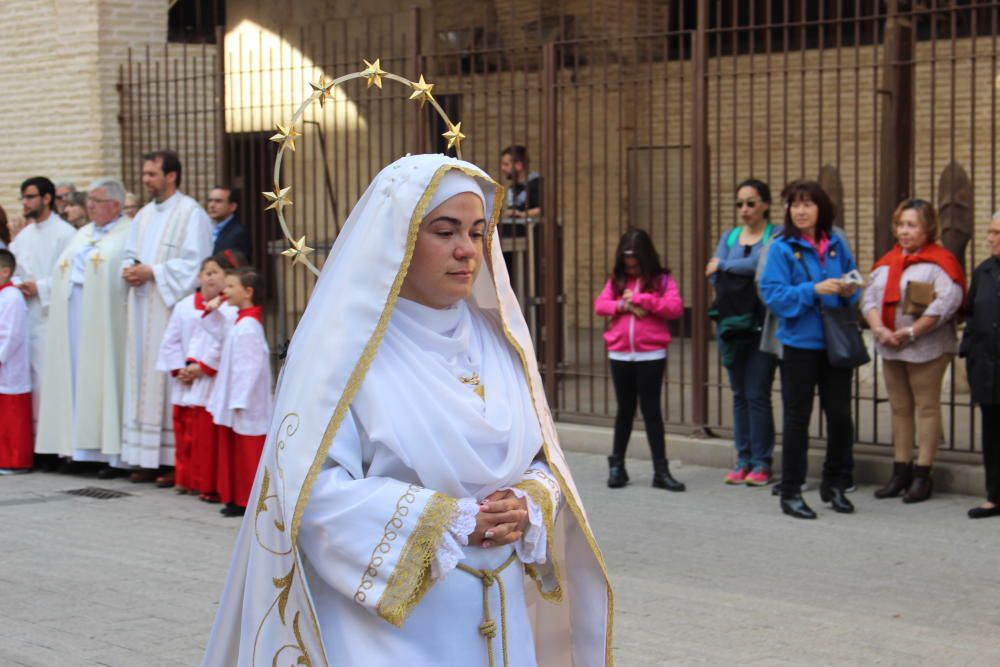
[{"x": 740, "y": 316}]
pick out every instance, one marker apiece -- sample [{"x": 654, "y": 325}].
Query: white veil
[{"x": 266, "y": 615}]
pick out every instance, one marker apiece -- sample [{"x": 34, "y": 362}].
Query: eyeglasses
[
  {"x": 28, "y": 197},
  {"x": 749, "y": 203}
]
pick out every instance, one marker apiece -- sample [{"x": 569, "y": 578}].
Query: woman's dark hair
[
  {"x": 763, "y": 191},
  {"x": 250, "y": 279},
  {"x": 808, "y": 191},
  {"x": 4, "y": 229},
  {"x": 227, "y": 260},
  {"x": 636, "y": 243}
]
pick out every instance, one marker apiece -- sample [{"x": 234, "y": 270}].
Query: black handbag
[{"x": 845, "y": 348}]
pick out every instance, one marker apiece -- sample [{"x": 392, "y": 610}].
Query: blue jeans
[{"x": 751, "y": 376}]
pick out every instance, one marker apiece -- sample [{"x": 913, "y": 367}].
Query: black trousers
[
  {"x": 802, "y": 372},
  {"x": 642, "y": 382},
  {"x": 991, "y": 450}
]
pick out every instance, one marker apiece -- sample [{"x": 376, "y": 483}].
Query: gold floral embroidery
[
  {"x": 284, "y": 586},
  {"x": 262, "y": 508},
  {"x": 411, "y": 577},
  {"x": 389, "y": 535},
  {"x": 538, "y": 571}
]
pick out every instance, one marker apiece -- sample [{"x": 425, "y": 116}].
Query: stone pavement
[{"x": 714, "y": 576}]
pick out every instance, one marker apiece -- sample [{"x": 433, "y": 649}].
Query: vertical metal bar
[
  {"x": 418, "y": 138},
  {"x": 700, "y": 217},
  {"x": 221, "y": 156},
  {"x": 550, "y": 231}
]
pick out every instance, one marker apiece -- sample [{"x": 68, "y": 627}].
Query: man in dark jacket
[{"x": 227, "y": 231}]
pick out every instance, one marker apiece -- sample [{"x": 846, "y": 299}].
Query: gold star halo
[
  {"x": 298, "y": 252},
  {"x": 374, "y": 73},
  {"x": 454, "y": 135},
  {"x": 286, "y": 135},
  {"x": 322, "y": 90},
  {"x": 279, "y": 198},
  {"x": 422, "y": 91}
]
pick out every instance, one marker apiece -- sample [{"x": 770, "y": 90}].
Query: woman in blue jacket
[{"x": 805, "y": 268}]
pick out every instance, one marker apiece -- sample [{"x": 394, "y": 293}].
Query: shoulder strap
[{"x": 734, "y": 236}]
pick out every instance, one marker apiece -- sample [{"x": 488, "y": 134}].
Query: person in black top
[
  {"x": 227, "y": 232},
  {"x": 524, "y": 192}
]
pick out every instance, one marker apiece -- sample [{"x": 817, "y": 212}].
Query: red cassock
[
  {"x": 238, "y": 459},
  {"x": 16, "y": 440},
  {"x": 183, "y": 444},
  {"x": 204, "y": 451}
]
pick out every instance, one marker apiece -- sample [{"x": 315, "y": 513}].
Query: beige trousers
[{"x": 915, "y": 391}]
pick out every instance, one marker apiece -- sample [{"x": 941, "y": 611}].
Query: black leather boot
[
  {"x": 902, "y": 477},
  {"x": 837, "y": 498},
  {"x": 922, "y": 487},
  {"x": 617, "y": 476},
  {"x": 662, "y": 479},
  {"x": 795, "y": 507}
]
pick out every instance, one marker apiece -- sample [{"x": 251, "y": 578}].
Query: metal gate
[{"x": 645, "y": 115}]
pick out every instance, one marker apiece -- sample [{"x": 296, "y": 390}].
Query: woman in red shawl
[{"x": 913, "y": 295}]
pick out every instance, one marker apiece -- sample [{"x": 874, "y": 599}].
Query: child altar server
[
  {"x": 16, "y": 438},
  {"x": 191, "y": 356},
  {"x": 240, "y": 402}
]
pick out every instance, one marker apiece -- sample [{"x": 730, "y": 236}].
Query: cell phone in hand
[{"x": 853, "y": 277}]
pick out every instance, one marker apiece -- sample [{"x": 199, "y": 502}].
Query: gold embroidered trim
[
  {"x": 411, "y": 577},
  {"x": 543, "y": 498},
  {"x": 609, "y": 657},
  {"x": 389, "y": 535}
]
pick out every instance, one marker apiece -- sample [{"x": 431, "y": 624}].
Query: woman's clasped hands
[{"x": 502, "y": 519}]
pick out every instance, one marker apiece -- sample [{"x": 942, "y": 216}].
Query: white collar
[{"x": 167, "y": 203}]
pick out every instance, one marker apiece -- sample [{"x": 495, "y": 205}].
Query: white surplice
[
  {"x": 174, "y": 237},
  {"x": 241, "y": 396},
  {"x": 15, "y": 342},
  {"x": 81, "y": 408},
  {"x": 37, "y": 249}
]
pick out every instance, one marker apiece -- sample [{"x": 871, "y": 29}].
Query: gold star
[
  {"x": 373, "y": 73},
  {"x": 454, "y": 135},
  {"x": 322, "y": 90},
  {"x": 97, "y": 260},
  {"x": 298, "y": 251},
  {"x": 279, "y": 198},
  {"x": 286, "y": 135},
  {"x": 422, "y": 91}
]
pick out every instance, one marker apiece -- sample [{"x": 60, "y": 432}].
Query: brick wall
[{"x": 58, "y": 70}]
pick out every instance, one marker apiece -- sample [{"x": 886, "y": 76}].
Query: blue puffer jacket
[{"x": 790, "y": 292}]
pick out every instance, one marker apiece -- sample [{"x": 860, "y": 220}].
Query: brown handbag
[{"x": 917, "y": 297}]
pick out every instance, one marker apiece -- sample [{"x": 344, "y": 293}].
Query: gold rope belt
[{"x": 488, "y": 628}]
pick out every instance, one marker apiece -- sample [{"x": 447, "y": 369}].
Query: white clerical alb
[
  {"x": 391, "y": 421},
  {"x": 84, "y": 348},
  {"x": 172, "y": 236}
]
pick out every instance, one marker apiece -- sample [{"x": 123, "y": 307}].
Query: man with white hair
[{"x": 80, "y": 415}]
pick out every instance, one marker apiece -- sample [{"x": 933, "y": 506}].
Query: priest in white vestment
[
  {"x": 168, "y": 239},
  {"x": 412, "y": 504},
  {"x": 81, "y": 409},
  {"x": 37, "y": 248}
]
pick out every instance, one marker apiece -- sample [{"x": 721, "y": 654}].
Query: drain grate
[{"x": 97, "y": 492}]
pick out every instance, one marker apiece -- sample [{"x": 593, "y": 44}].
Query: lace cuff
[
  {"x": 449, "y": 551},
  {"x": 531, "y": 548}
]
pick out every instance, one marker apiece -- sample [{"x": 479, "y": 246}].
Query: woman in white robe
[{"x": 412, "y": 503}]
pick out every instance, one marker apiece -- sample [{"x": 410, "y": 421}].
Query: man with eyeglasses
[
  {"x": 80, "y": 413},
  {"x": 37, "y": 248}
]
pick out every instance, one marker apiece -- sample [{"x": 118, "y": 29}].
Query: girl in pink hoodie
[{"x": 639, "y": 298}]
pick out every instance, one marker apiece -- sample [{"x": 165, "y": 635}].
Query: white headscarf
[{"x": 266, "y": 608}]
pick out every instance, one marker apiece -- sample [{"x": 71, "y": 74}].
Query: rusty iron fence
[{"x": 648, "y": 118}]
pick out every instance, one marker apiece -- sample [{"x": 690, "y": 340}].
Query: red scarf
[
  {"x": 256, "y": 312},
  {"x": 6, "y": 285},
  {"x": 199, "y": 301},
  {"x": 899, "y": 262}
]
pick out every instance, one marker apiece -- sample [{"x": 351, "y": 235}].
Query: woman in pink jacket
[{"x": 639, "y": 298}]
